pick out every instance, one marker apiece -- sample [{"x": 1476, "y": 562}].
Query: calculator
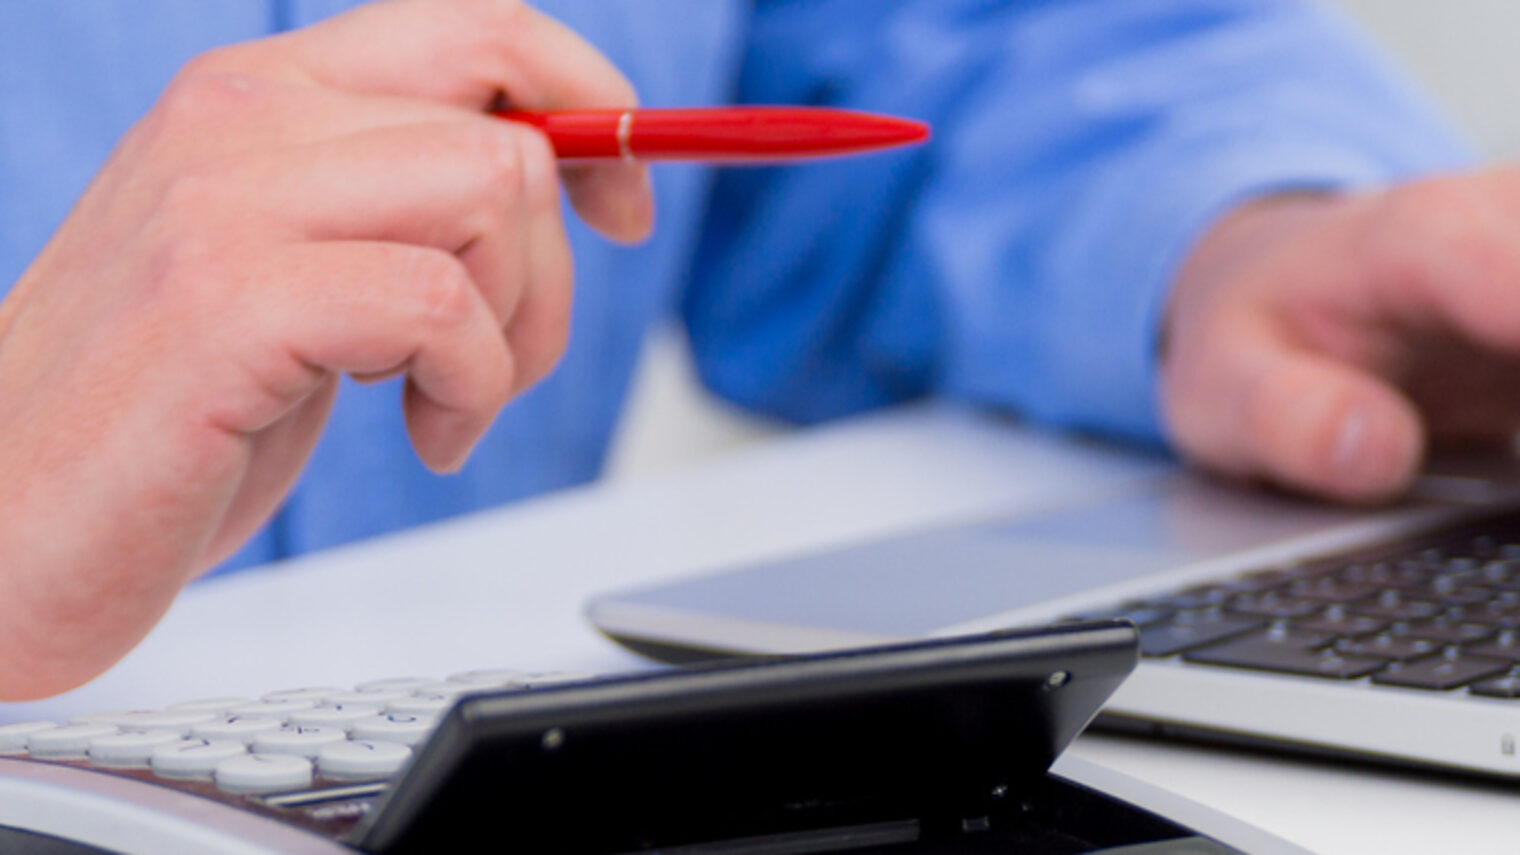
[{"x": 931, "y": 746}]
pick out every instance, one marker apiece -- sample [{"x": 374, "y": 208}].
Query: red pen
[{"x": 746, "y": 134}]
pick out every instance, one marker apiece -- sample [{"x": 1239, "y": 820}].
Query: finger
[
  {"x": 463, "y": 52},
  {"x": 616, "y": 199},
  {"x": 540, "y": 326},
  {"x": 488, "y": 193},
  {"x": 281, "y": 450},
  {"x": 1300, "y": 419},
  {"x": 478, "y": 54},
  {"x": 499, "y": 260},
  {"x": 205, "y": 113},
  {"x": 1462, "y": 274},
  {"x": 367, "y": 308},
  {"x": 448, "y": 186}
]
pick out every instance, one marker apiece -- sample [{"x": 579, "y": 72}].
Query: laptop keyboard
[{"x": 1440, "y": 613}]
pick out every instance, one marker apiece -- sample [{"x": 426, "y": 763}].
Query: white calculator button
[
  {"x": 262, "y": 773},
  {"x": 104, "y": 716},
  {"x": 334, "y": 715},
  {"x": 490, "y": 677},
  {"x": 219, "y": 706},
  {"x": 362, "y": 759},
  {"x": 433, "y": 705},
  {"x": 395, "y": 727},
  {"x": 71, "y": 740},
  {"x": 280, "y": 709},
  {"x": 301, "y": 741},
  {"x": 454, "y": 689},
  {"x": 404, "y": 684},
  {"x": 179, "y": 720},
  {"x": 13, "y": 737},
  {"x": 315, "y": 694},
  {"x": 129, "y": 749},
  {"x": 539, "y": 681},
  {"x": 193, "y": 758},
  {"x": 241, "y": 728},
  {"x": 378, "y": 696}
]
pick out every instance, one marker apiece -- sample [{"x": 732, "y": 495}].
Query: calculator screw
[
  {"x": 553, "y": 739},
  {"x": 1056, "y": 680}
]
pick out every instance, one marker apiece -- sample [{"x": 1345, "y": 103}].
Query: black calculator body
[
  {"x": 937, "y": 746},
  {"x": 933, "y": 746}
]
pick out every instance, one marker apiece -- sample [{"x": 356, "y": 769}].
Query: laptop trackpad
[{"x": 917, "y": 584}]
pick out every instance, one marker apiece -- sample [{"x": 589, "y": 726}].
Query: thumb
[{"x": 1308, "y": 422}]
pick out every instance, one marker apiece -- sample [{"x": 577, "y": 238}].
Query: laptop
[{"x": 1388, "y": 634}]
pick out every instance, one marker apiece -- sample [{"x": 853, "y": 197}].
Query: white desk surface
[{"x": 505, "y": 588}]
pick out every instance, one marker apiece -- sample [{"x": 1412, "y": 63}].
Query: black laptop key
[
  {"x": 1440, "y": 673},
  {"x": 1286, "y": 652},
  {"x": 1444, "y": 631},
  {"x": 1273, "y": 604},
  {"x": 1394, "y": 604},
  {"x": 1500, "y": 612},
  {"x": 1507, "y": 687},
  {"x": 1449, "y": 593},
  {"x": 1499, "y": 570},
  {"x": 1389, "y": 647},
  {"x": 1504, "y": 646},
  {"x": 1329, "y": 589},
  {"x": 1194, "y": 629},
  {"x": 1339, "y": 623},
  {"x": 1383, "y": 574},
  {"x": 1275, "y": 578}
]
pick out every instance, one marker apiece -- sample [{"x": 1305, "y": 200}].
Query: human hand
[
  {"x": 1322, "y": 342},
  {"x": 328, "y": 201}
]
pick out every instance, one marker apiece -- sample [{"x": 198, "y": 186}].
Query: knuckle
[
  {"x": 1415, "y": 224},
  {"x": 621, "y": 92},
  {"x": 540, "y": 171},
  {"x": 201, "y": 90},
  {"x": 442, "y": 288},
  {"x": 486, "y": 29},
  {"x": 501, "y": 182},
  {"x": 212, "y": 62},
  {"x": 496, "y": 159},
  {"x": 497, "y": 18},
  {"x": 185, "y": 229},
  {"x": 181, "y": 263},
  {"x": 555, "y": 341},
  {"x": 192, "y": 195},
  {"x": 554, "y": 349},
  {"x": 503, "y": 384}
]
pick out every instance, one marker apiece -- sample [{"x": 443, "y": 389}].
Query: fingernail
[
  {"x": 640, "y": 211},
  {"x": 1350, "y": 444},
  {"x": 1370, "y": 457}
]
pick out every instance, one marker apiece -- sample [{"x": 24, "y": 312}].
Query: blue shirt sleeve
[{"x": 1023, "y": 258}]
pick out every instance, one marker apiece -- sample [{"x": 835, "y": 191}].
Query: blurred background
[{"x": 1462, "y": 51}]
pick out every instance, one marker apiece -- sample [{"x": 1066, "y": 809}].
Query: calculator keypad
[{"x": 284, "y": 742}]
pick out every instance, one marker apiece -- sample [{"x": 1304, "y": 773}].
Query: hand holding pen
[{"x": 330, "y": 201}]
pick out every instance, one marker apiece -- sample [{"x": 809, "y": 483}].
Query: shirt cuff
[{"x": 1104, "y": 340}]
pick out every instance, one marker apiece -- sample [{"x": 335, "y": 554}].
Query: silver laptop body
[{"x": 1147, "y": 531}]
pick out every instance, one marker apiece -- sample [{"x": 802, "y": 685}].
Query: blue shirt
[{"x": 1020, "y": 260}]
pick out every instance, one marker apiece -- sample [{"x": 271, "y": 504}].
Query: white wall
[{"x": 1464, "y": 51}]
